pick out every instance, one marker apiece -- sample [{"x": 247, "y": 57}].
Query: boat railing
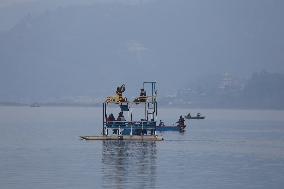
[
  {"x": 146, "y": 98},
  {"x": 129, "y": 124}
]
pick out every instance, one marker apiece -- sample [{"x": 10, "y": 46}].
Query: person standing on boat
[
  {"x": 119, "y": 92},
  {"x": 181, "y": 124},
  {"x": 181, "y": 121}
]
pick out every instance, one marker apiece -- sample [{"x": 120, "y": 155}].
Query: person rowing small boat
[{"x": 179, "y": 127}]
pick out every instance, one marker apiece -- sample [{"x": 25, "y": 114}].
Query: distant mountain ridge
[{"x": 89, "y": 50}]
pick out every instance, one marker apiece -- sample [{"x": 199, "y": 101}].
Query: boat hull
[
  {"x": 169, "y": 128},
  {"x": 124, "y": 137},
  {"x": 196, "y": 117}
]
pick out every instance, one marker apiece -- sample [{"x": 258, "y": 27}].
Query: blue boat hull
[{"x": 169, "y": 128}]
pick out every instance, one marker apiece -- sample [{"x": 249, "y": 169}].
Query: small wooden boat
[
  {"x": 161, "y": 127},
  {"x": 170, "y": 128}
]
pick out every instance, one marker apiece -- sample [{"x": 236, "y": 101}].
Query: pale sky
[
  {"x": 4, "y": 3},
  {"x": 11, "y": 2}
]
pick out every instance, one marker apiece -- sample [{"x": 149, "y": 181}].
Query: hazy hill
[
  {"x": 87, "y": 50},
  {"x": 264, "y": 90}
]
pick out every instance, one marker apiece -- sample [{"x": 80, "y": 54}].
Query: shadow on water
[{"x": 128, "y": 164}]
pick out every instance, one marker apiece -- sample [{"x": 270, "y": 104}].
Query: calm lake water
[{"x": 40, "y": 148}]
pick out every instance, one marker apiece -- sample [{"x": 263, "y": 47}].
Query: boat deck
[{"x": 124, "y": 137}]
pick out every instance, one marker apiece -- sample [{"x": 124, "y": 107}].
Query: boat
[
  {"x": 34, "y": 105},
  {"x": 125, "y": 127},
  {"x": 179, "y": 127},
  {"x": 198, "y": 116},
  {"x": 171, "y": 128}
]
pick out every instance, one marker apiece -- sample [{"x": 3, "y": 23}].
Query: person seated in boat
[
  {"x": 120, "y": 117},
  {"x": 142, "y": 97},
  {"x": 161, "y": 124},
  {"x": 142, "y": 92},
  {"x": 198, "y": 114},
  {"x": 110, "y": 118}
]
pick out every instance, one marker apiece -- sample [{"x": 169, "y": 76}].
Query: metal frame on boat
[{"x": 129, "y": 129}]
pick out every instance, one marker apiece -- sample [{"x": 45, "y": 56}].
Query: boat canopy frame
[{"x": 144, "y": 126}]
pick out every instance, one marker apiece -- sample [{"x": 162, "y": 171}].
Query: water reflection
[{"x": 128, "y": 164}]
